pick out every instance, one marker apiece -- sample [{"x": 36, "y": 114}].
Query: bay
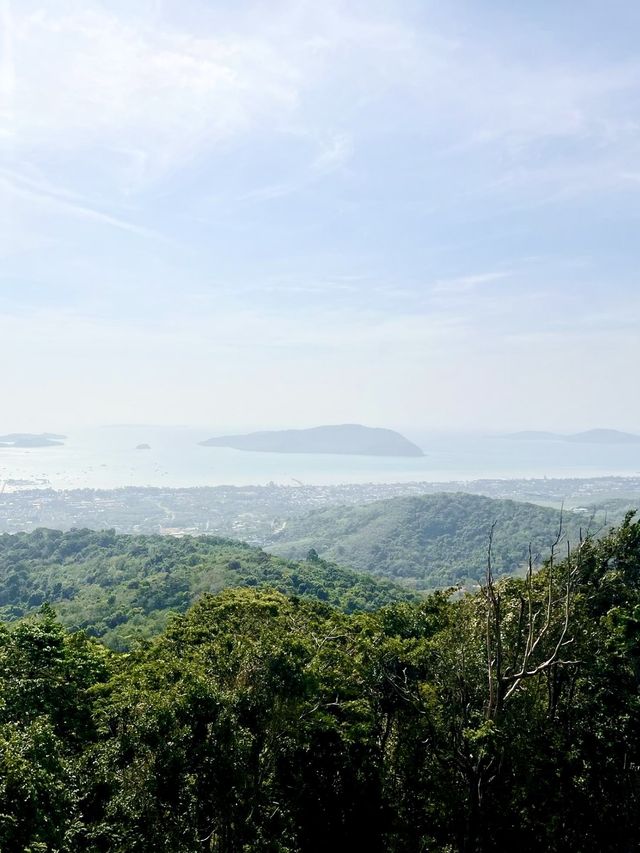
[{"x": 106, "y": 457}]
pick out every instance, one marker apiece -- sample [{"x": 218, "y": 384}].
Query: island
[
  {"x": 143, "y": 447},
  {"x": 28, "y": 439},
  {"x": 348, "y": 439},
  {"x": 604, "y": 436},
  {"x": 591, "y": 436}
]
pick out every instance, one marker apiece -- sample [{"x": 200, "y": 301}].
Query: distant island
[
  {"x": 143, "y": 447},
  {"x": 604, "y": 436},
  {"x": 591, "y": 436},
  {"x": 28, "y": 439},
  {"x": 350, "y": 439}
]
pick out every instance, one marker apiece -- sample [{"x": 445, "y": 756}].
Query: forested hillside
[
  {"x": 429, "y": 541},
  {"x": 122, "y": 587},
  {"x": 260, "y": 723}
]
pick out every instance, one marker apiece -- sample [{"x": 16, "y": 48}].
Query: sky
[{"x": 288, "y": 213}]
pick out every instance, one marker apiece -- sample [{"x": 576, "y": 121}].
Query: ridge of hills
[
  {"x": 428, "y": 541},
  {"x": 124, "y": 587},
  {"x": 261, "y": 722}
]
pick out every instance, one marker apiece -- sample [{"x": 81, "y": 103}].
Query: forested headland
[{"x": 258, "y": 721}]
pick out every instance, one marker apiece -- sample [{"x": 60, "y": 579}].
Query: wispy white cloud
[
  {"x": 467, "y": 283},
  {"x": 335, "y": 154},
  {"x": 7, "y": 70},
  {"x": 285, "y": 148},
  {"x": 85, "y": 77},
  {"x": 151, "y": 97},
  {"x": 62, "y": 202},
  {"x": 329, "y": 155}
]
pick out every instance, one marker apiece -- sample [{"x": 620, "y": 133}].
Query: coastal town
[{"x": 254, "y": 513}]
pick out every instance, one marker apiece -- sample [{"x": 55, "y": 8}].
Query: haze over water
[{"x": 107, "y": 457}]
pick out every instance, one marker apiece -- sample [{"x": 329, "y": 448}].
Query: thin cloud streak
[{"x": 61, "y": 202}]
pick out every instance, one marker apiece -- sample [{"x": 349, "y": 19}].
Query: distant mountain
[
  {"x": 604, "y": 436},
  {"x": 592, "y": 436},
  {"x": 352, "y": 439},
  {"x": 28, "y": 439},
  {"x": 428, "y": 541}
]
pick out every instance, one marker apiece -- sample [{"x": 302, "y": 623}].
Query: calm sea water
[{"x": 106, "y": 458}]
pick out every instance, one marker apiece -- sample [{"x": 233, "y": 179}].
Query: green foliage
[
  {"x": 505, "y": 719},
  {"x": 124, "y": 588},
  {"x": 427, "y": 542},
  {"x": 46, "y": 722}
]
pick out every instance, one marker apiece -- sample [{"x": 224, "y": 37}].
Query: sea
[{"x": 107, "y": 457}]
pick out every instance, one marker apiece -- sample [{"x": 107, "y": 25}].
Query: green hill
[
  {"x": 123, "y": 587},
  {"x": 265, "y": 723},
  {"x": 429, "y": 541}
]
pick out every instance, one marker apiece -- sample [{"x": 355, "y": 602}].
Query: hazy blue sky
[{"x": 398, "y": 213}]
